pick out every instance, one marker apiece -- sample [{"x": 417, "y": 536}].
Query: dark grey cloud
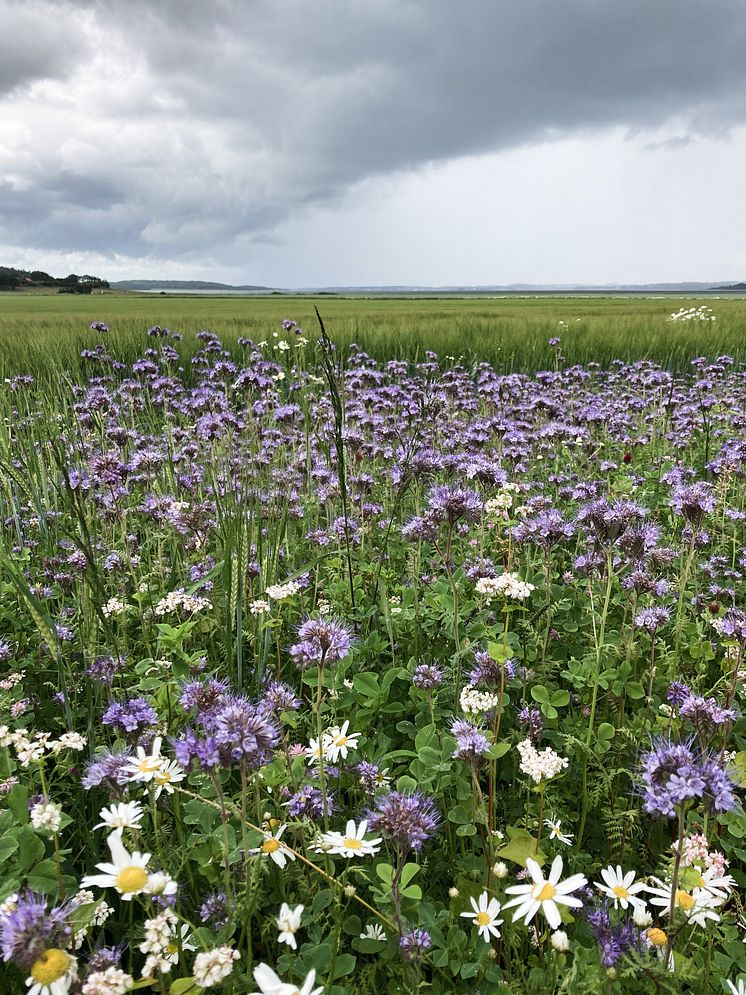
[
  {"x": 38, "y": 41},
  {"x": 206, "y": 123}
]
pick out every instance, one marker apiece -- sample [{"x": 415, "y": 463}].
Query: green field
[{"x": 510, "y": 332}]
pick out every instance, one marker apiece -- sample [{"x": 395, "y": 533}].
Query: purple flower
[
  {"x": 406, "y": 820},
  {"x": 133, "y": 717},
  {"x": 693, "y": 501},
  {"x": 471, "y": 744},
  {"x": 545, "y": 529},
  {"x": 651, "y": 619},
  {"x": 6, "y": 651},
  {"x": 733, "y": 624},
  {"x": 215, "y": 909},
  {"x": 414, "y": 944},
  {"x": 532, "y": 720},
  {"x": 675, "y": 773},
  {"x": 104, "y": 669},
  {"x": 451, "y": 504},
  {"x": 107, "y": 770},
  {"x": 427, "y": 676},
  {"x": 322, "y": 642},
  {"x": 245, "y": 732},
  {"x": 490, "y": 672},
  {"x": 278, "y": 698},
  {"x": 705, "y": 714},
  {"x": 677, "y": 692},
  {"x": 29, "y": 930},
  {"x": 308, "y": 802},
  {"x": 204, "y": 697},
  {"x": 613, "y": 941}
]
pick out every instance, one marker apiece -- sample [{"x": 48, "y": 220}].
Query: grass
[{"x": 509, "y": 332}]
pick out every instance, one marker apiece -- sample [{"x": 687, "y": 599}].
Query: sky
[{"x": 300, "y": 143}]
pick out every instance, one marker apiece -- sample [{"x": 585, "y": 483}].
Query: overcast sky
[{"x": 329, "y": 142}]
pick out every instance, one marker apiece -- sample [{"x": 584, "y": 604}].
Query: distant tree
[
  {"x": 72, "y": 280},
  {"x": 39, "y": 276},
  {"x": 8, "y": 281}
]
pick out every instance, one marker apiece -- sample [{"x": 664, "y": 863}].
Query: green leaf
[
  {"x": 408, "y": 872},
  {"x": 181, "y": 986},
  {"x": 43, "y": 878},
  {"x": 520, "y": 846},
  {"x": 18, "y": 802},
  {"x": 498, "y": 750},
  {"x": 367, "y": 684},
  {"x": 345, "y": 965},
  {"x": 459, "y": 815},
  {"x": 385, "y": 872},
  {"x": 560, "y": 698},
  {"x": 8, "y": 846},
  {"x": 539, "y": 693},
  {"x": 321, "y": 901}
]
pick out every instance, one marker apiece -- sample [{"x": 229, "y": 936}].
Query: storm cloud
[{"x": 181, "y": 129}]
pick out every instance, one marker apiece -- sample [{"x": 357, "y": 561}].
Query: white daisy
[
  {"x": 739, "y": 989},
  {"x": 126, "y": 873},
  {"x": 341, "y": 742},
  {"x": 270, "y": 984},
  {"x": 555, "y": 831},
  {"x": 352, "y": 843},
  {"x": 697, "y": 906},
  {"x": 314, "y": 752},
  {"x": 485, "y": 916},
  {"x": 145, "y": 766},
  {"x": 274, "y": 849},
  {"x": 620, "y": 888},
  {"x": 52, "y": 973},
  {"x": 166, "y": 776},
  {"x": 121, "y": 816},
  {"x": 288, "y": 923},
  {"x": 545, "y": 894}
]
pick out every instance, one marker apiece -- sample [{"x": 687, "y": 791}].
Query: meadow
[
  {"x": 357, "y": 668},
  {"x": 510, "y": 332}
]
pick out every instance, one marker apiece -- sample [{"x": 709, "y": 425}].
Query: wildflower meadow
[{"x": 326, "y": 673}]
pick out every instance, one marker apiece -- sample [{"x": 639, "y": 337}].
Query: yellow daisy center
[
  {"x": 546, "y": 893},
  {"x": 352, "y": 843},
  {"x": 657, "y": 937},
  {"x": 684, "y": 900},
  {"x": 131, "y": 879},
  {"x": 270, "y": 846},
  {"x": 162, "y": 777},
  {"x": 172, "y": 949},
  {"x": 340, "y": 741},
  {"x": 149, "y": 765},
  {"x": 702, "y": 882},
  {"x": 620, "y": 891},
  {"x": 483, "y": 918},
  {"x": 51, "y": 966}
]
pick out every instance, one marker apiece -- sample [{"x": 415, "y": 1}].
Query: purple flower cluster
[
  {"x": 614, "y": 941},
  {"x": 471, "y": 744},
  {"x": 674, "y": 774},
  {"x": 414, "y": 943},
  {"x": 427, "y": 676},
  {"x": 234, "y": 730},
  {"x": 30, "y": 929},
  {"x": 705, "y": 714},
  {"x": 108, "y": 771},
  {"x": 693, "y": 501},
  {"x": 134, "y": 717},
  {"x": 308, "y": 803},
  {"x": 490, "y": 672},
  {"x": 322, "y": 642},
  {"x": 406, "y": 820}
]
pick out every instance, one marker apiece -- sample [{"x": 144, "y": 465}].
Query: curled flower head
[{"x": 406, "y": 820}]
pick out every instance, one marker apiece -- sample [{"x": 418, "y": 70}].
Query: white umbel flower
[
  {"x": 212, "y": 966},
  {"x": 540, "y": 766},
  {"x": 46, "y": 817},
  {"x": 485, "y": 916},
  {"x": 621, "y": 888},
  {"x": 544, "y": 895},
  {"x": 112, "y": 981}
]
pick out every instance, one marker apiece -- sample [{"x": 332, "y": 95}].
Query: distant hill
[
  {"x": 733, "y": 286},
  {"x": 179, "y": 285}
]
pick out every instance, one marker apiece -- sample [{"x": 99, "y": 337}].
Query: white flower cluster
[
  {"x": 159, "y": 944},
  {"x": 212, "y": 966},
  {"x": 259, "y": 607},
  {"x": 540, "y": 766},
  {"x": 113, "y": 608},
  {"x": 701, "y": 313},
  {"x": 475, "y": 702},
  {"x": 112, "y": 981},
  {"x": 502, "y": 501},
  {"x": 279, "y": 592},
  {"x": 507, "y": 585},
  {"x": 30, "y": 750},
  {"x": 9, "y": 682},
  {"x": 46, "y": 817},
  {"x": 181, "y": 601}
]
